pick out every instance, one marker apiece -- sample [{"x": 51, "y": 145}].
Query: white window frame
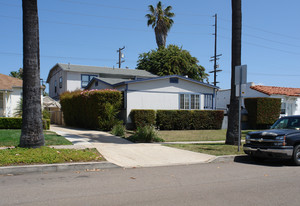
[{"x": 189, "y": 101}]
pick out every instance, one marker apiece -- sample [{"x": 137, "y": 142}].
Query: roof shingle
[
  {"x": 269, "y": 90},
  {"x": 7, "y": 82}
]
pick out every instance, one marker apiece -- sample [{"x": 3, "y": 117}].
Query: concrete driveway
[{"x": 127, "y": 154}]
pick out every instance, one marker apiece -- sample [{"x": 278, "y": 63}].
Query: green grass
[
  {"x": 46, "y": 155},
  {"x": 217, "y": 149},
  {"x": 195, "y": 135},
  {"x": 12, "y": 138}
]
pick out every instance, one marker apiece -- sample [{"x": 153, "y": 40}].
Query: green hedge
[
  {"x": 189, "y": 119},
  {"x": 142, "y": 117},
  {"x": 16, "y": 123},
  {"x": 263, "y": 111},
  {"x": 94, "y": 109}
]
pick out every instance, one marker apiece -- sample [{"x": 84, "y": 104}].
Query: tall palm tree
[
  {"x": 161, "y": 20},
  {"x": 32, "y": 127},
  {"x": 233, "y": 116}
]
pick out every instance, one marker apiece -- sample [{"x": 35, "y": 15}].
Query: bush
[
  {"x": 262, "y": 111},
  {"x": 91, "y": 109},
  {"x": 142, "y": 117},
  {"x": 146, "y": 134},
  {"x": 118, "y": 130},
  {"x": 189, "y": 119},
  {"x": 16, "y": 123}
]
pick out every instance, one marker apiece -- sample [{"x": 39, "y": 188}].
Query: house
[
  {"x": 166, "y": 92},
  {"x": 290, "y": 97},
  {"x": 68, "y": 77},
  {"x": 10, "y": 95}
]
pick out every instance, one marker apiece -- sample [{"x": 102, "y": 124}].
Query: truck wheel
[{"x": 296, "y": 155}]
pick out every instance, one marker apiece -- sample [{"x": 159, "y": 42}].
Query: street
[{"x": 238, "y": 183}]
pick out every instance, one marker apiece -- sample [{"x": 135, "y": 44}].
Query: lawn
[
  {"x": 195, "y": 135},
  {"x": 217, "y": 149},
  {"x": 46, "y": 155},
  {"x": 11, "y": 137}
]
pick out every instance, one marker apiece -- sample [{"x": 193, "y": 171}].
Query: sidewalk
[{"x": 127, "y": 154}]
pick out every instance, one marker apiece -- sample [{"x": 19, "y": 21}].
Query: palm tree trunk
[
  {"x": 32, "y": 127},
  {"x": 233, "y": 115},
  {"x": 160, "y": 38}
]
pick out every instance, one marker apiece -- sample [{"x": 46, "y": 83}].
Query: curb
[
  {"x": 227, "y": 158},
  {"x": 94, "y": 166}
]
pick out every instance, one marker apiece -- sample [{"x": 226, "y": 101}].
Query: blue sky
[{"x": 89, "y": 32}]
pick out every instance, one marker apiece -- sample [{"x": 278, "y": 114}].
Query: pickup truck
[{"x": 281, "y": 141}]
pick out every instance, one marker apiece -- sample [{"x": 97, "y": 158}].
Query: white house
[
  {"x": 68, "y": 77},
  {"x": 290, "y": 97},
  {"x": 167, "y": 92},
  {"x": 10, "y": 95}
]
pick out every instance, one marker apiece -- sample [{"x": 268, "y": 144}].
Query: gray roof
[
  {"x": 111, "y": 80},
  {"x": 105, "y": 70},
  {"x": 102, "y": 70}
]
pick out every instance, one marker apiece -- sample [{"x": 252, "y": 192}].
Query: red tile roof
[
  {"x": 7, "y": 82},
  {"x": 269, "y": 90}
]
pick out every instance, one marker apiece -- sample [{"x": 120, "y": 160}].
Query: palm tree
[
  {"x": 233, "y": 116},
  {"x": 32, "y": 126},
  {"x": 160, "y": 20}
]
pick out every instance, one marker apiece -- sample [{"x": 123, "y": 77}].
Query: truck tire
[{"x": 296, "y": 155}]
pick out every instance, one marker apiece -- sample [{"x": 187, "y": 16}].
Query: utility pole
[
  {"x": 121, "y": 56},
  {"x": 216, "y": 56}
]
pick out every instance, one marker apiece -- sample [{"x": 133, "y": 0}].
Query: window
[
  {"x": 60, "y": 82},
  {"x": 1, "y": 100},
  {"x": 208, "y": 101},
  {"x": 189, "y": 101},
  {"x": 174, "y": 80},
  {"x": 85, "y": 79},
  {"x": 96, "y": 83},
  {"x": 283, "y": 108}
]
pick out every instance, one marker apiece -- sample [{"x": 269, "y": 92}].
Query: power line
[
  {"x": 265, "y": 39},
  {"x": 63, "y": 57},
  {"x": 266, "y": 47},
  {"x": 263, "y": 30}
]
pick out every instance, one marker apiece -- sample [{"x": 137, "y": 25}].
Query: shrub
[
  {"x": 118, "y": 130},
  {"x": 189, "y": 119},
  {"x": 262, "y": 111},
  {"x": 16, "y": 123},
  {"x": 146, "y": 134},
  {"x": 142, "y": 117},
  {"x": 91, "y": 108}
]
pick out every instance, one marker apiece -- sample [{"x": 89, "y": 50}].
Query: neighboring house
[
  {"x": 68, "y": 77},
  {"x": 167, "y": 92},
  {"x": 10, "y": 95},
  {"x": 290, "y": 97}
]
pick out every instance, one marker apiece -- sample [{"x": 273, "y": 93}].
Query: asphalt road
[{"x": 239, "y": 183}]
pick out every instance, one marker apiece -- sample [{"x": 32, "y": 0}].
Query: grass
[
  {"x": 217, "y": 149},
  {"x": 46, "y": 155},
  {"x": 195, "y": 135},
  {"x": 11, "y": 137}
]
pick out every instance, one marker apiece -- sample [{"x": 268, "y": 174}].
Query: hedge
[
  {"x": 262, "y": 111},
  {"x": 16, "y": 123},
  {"x": 93, "y": 109},
  {"x": 142, "y": 117},
  {"x": 189, "y": 119}
]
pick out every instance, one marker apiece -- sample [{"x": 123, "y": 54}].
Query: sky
[{"x": 89, "y": 32}]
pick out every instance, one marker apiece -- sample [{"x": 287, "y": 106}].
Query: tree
[
  {"x": 171, "y": 60},
  {"x": 161, "y": 22},
  {"x": 32, "y": 127},
  {"x": 233, "y": 115},
  {"x": 17, "y": 74}
]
